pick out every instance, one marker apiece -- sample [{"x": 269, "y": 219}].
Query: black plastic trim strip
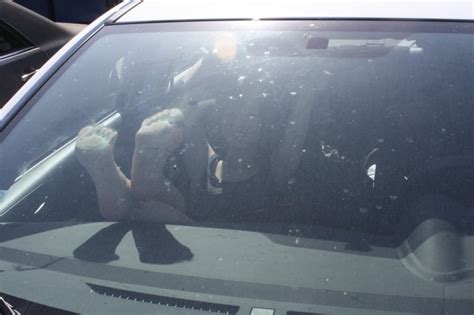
[{"x": 164, "y": 300}]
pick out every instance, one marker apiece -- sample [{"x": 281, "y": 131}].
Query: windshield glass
[{"x": 272, "y": 144}]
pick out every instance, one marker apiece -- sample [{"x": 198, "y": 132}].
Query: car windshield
[{"x": 266, "y": 156}]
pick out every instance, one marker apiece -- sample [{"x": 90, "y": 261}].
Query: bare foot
[
  {"x": 157, "y": 138},
  {"x": 94, "y": 150},
  {"x": 162, "y": 131}
]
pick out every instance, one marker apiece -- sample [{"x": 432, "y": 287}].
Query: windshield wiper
[{"x": 6, "y": 308}]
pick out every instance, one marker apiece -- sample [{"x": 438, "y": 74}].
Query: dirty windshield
[
  {"x": 315, "y": 125},
  {"x": 347, "y": 132}
]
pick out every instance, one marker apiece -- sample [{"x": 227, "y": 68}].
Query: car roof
[{"x": 182, "y": 10}]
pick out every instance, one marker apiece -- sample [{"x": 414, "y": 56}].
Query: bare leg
[
  {"x": 94, "y": 150},
  {"x": 158, "y": 136},
  {"x": 159, "y": 212}
]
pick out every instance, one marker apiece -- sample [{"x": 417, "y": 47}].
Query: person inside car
[{"x": 229, "y": 155}]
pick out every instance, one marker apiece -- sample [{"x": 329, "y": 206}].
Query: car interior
[{"x": 385, "y": 152}]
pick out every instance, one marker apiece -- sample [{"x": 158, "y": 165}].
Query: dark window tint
[{"x": 11, "y": 40}]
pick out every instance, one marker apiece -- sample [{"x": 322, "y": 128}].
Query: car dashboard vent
[{"x": 164, "y": 300}]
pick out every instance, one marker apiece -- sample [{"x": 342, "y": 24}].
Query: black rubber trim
[{"x": 164, "y": 300}]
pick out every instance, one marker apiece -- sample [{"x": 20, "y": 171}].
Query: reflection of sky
[{"x": 371, "y": 171}]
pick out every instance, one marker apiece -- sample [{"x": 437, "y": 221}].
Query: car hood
[{"x": 73, "y": 267}]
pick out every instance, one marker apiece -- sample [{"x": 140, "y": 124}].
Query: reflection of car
[
  {"x": 341, "y": 181},
  {"x": 27, "y": 40}
]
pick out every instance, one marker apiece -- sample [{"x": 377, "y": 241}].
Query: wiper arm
[{"x": 6, "y": 308}]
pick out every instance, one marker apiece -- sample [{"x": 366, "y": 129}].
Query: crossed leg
[
  {"x": 148, "y": 196},
  {"x": 94, "y": 150},
  {"x": 155, "y": 141}
]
